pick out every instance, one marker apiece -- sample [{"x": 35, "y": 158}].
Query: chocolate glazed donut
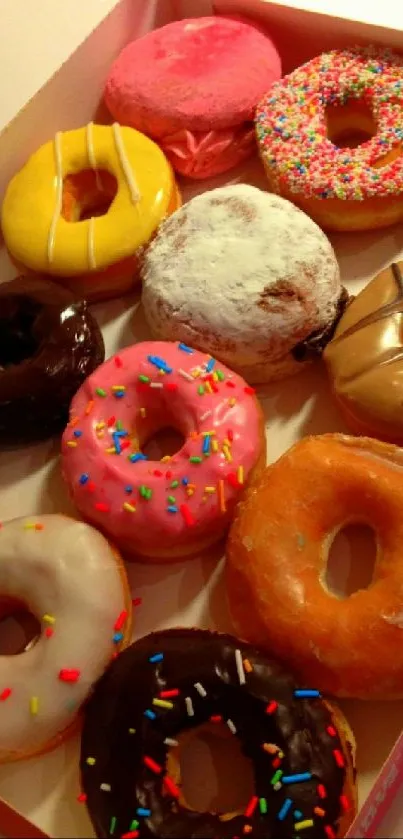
[
  {"x": 170, "y": 682},
  {"x": 48, "y": 345}
]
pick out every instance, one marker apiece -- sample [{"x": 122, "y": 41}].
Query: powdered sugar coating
[
  {"x": 292, "y": 131},
  {"x": 243, "y": 274}
]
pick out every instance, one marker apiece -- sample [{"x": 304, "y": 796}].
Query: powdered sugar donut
[
  {"x": 247, "y": 276},
  {"x": 67, "y": 575},
  {"x": 193, "y": 86},
  {"x": 180, "y": 504}
]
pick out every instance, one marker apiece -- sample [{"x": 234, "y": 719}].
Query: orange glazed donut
[
  {"x": 330, "y": 136},
  {"x": 276, "y": 562}
]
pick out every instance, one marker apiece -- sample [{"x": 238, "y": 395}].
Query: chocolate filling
[
  {"x": 312, "y": 347},
  {"x": 299, "y": 767}
]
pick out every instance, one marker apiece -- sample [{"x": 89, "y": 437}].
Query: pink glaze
[
  {"x": 198, "y": 75},
  {"x": 196, "y": 395},
  {"x": 200, "y": 154}
]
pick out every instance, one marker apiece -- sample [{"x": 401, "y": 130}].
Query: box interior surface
[{"x": 192, "y": 592}]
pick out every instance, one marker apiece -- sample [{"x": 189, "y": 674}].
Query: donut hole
[
  {"x": 163, "y": 442},
  {"x": 19, "y": 628},
  {"x": 213, "y": 773},
  {"x": 351, "y": 560},
  {"x": 88, "y": 194},
  {"x": 351, "y": 124},
  {"x": 17, "y": 334}
]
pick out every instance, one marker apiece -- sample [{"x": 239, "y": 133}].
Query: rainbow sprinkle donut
[
  {"x": 330, "y": 136},
  {"x": 179, "y": 504}
]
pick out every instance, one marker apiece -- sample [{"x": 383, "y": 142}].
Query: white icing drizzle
[
  {"x": 59, "y": 194},
  {"x": 124, "y": 162},
  {"x": 91, "y": 251},
  {"x": 91, "y": 155}
]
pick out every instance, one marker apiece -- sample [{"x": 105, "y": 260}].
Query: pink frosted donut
[
  {"x": 193, "y": 86},
  {"x": 176, "y": 506}
]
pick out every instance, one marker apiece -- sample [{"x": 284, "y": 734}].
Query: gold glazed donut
[{"x": 276, "y": 562}]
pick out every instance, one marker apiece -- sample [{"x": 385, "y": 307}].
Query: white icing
[
  {"x": 91, "y": 248},
  {"x": 66, "y": 571},
  {"x": 243, "y": 273},
  {"x": 124, "y": 162},
  {"x": 59, "y": 194},
  {"x": 91, "y": 155}
]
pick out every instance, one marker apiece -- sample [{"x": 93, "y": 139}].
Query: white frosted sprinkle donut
[
  {"x": 244, "y": 275},
  {"x": 68, "y": 576}
]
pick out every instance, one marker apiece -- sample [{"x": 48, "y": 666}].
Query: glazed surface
[
  {"x": 213, "y": 675},
  {"x": 36, "y": 231},
  {"x": 242, "y": 274},
  {"x": 48, "y": 345},
  {"x": 161, "y": 506},
  {"x": 66, "y": 575},
  {"x": 365, "y": 358},
  {"x": 277, "y": 558},
  {"x": 292, "y": 129}
]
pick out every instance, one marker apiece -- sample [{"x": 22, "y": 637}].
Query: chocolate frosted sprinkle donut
[
  {"x": 174, "y": 681},
  {"x": 48, "y": 345}
]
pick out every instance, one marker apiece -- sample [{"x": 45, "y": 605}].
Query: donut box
[{"x": 39, "y": 797}]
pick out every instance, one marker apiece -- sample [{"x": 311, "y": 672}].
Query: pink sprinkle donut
[
  {"x": 183, "y": 503},
  {"x": 193, "y": 86}
]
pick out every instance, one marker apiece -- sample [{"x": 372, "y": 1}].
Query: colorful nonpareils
[{"x": 342, "y": 186}]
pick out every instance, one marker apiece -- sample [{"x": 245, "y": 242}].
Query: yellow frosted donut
[{"x": 85, "y": 204}]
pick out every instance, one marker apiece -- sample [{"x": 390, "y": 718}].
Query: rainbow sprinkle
[
  {"x": 292, "y": 129},
  {"x": 199, "y": 472},
  {"x": 285, "y": 809},
  {"x": 34, "y": 705},
  {"x": 258, "y": 806}
]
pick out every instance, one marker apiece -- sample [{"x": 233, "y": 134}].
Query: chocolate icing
[
  {"x": 312, "y": 347},
  {"x": 126, "y": 691},
  {"x": 48, "y": 345}
]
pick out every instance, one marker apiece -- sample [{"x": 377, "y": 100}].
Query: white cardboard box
[{"x": 191, "y": 593}]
